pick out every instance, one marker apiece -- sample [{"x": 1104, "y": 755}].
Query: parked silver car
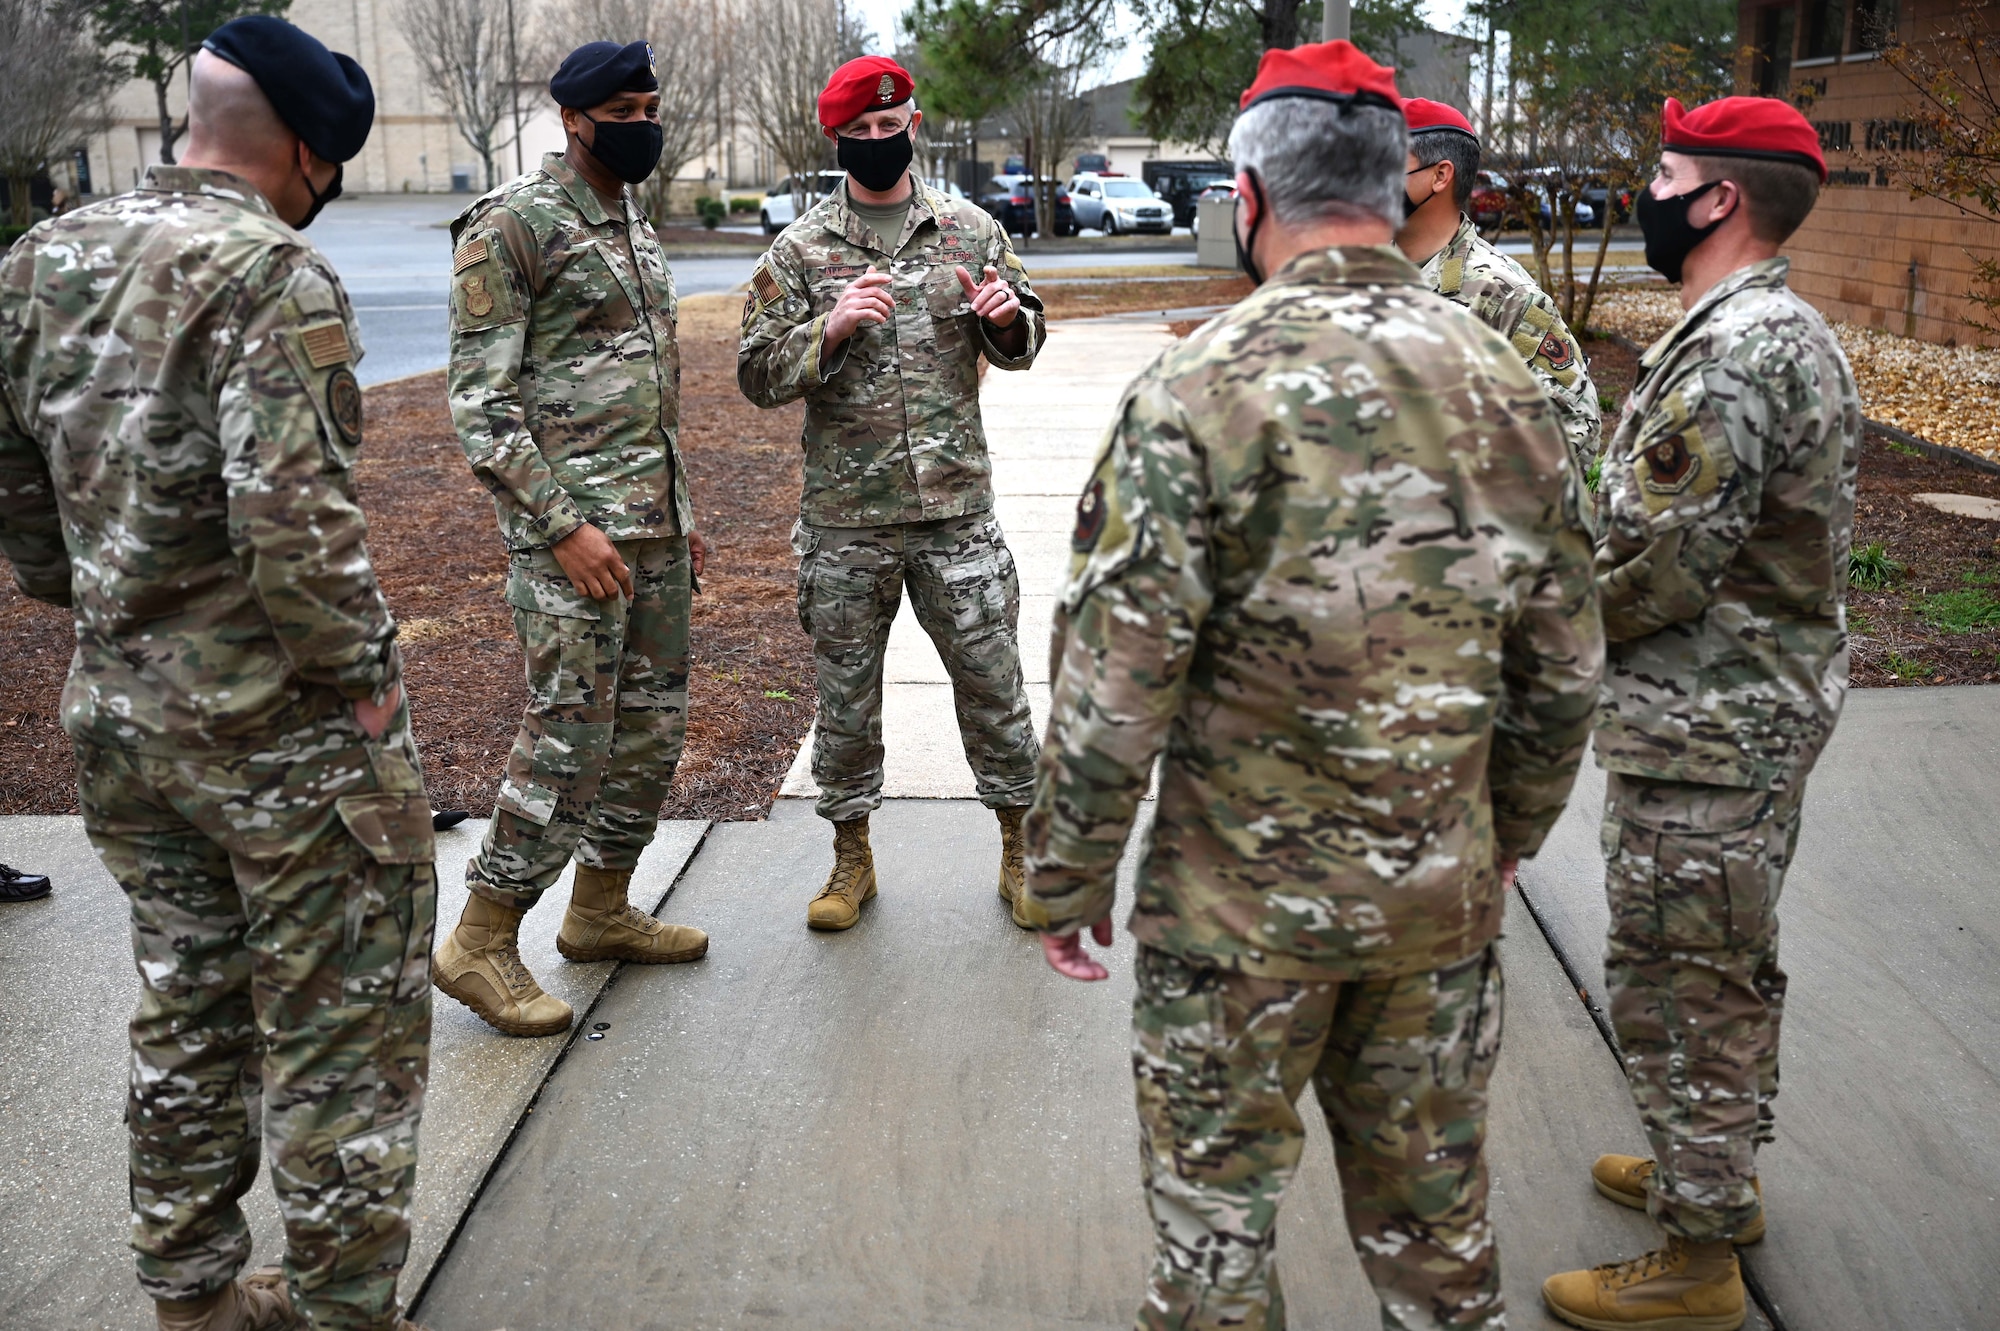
[
  {"x": 778, "y": 210},
  {"x": 1117, "y": 204}
]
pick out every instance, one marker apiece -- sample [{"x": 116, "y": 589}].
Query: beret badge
[{"x": 885, "y": 91}]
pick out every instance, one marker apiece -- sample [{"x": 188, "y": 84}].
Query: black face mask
[
  {"x": 629, "y": 149},
  {"x": 1669, "y": 236},
  {"x": 1411, "y": 205},
  {"x": 876, "y": 164},
  {"x": 319, "y": 200},
  {"x": 1246, "y": 245}
]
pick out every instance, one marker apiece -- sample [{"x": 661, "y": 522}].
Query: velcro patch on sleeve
[
  {"x": 765, "y": 284},
  {"x": 473, "y": 251},
  {"x": 326, "y": 344}
]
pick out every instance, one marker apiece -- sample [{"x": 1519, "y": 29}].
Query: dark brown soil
[
  {"x": 441, "y": 564},
  {"x": 1894, "y": 642},
  {"x": 1082, "y": 301}
]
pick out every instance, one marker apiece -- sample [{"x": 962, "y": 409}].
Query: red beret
[
  {"x": 1326, "y": 71},
  {"x": 1425, "y": 115},
  {"x": 1742, "y": 127},
  {"x": 872, "y": 83}
]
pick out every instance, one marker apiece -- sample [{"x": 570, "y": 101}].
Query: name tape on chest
[
  {"x": 326, "y": 344},
  {"x": 473, "y": 251}
]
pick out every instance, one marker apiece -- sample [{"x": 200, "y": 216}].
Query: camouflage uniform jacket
[
  {"x": 892, "y": 429},
  {"x": 1330, "y": 559},
  {"x": 1505, "y": 298},
  {"x": 565, "y": 376},
  {"x": 1728, "y": 490},
  {"x": 179, "y": 423}
]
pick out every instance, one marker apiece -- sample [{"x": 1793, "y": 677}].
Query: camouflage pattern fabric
[
  {"x": 282, "y": 910},
  {"x": 892, "y": 431},
  {"x": 177, "y": 372},
  {"x": 1725, "y": 515},
  {"x": 967, "y": 596},
  {"x": 1400, "y": 1067},
  {"x": 565, "y": 364},
  {"x": 605, "y": 723},
  {"x": 1329, "y": 560},
  {"x": 1693, "y": 873},
  {"x": 1505, "y": 298}
]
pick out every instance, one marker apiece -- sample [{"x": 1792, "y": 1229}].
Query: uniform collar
[
  {"x": 204, "y": 180},
  {"x": 1351, "y": 266},
  {"x": 1447, "y": 266},
  {"x": 587, "y": 200},
  {"x": 844, "y": 222},
  {"x": 1766, "y": 274}
]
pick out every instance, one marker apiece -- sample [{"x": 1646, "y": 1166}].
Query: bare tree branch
[
  {"x": 53, "y": 86},
  {"x": 462, "y": 48}
]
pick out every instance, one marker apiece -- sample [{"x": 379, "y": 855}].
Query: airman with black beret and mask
[
  {"x": 565, "y": 387},
  {"x": 179, "y": 425}
]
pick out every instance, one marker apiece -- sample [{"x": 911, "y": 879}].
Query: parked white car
[
  {"x": 779, "y": 211},
  {"x": 1115, "y": 204}
]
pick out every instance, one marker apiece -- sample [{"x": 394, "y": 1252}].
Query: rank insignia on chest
[
  {"x": 478, "y": 300},
  {"x": 1555, "y": 351},
  {"x": 947, "y": 223},
  {"x": 1090, "y": 516}
]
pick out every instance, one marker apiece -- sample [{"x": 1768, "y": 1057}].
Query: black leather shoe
[
  {"x": 445, "y": 819},
  {"x": 18, "y": 886}
]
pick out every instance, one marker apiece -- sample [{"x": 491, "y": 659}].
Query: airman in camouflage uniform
[
  {"x": 1329, "y": 562},
  {"x": 1472, "y": 273},
  {"x": 1726, "y": 511},
  {"x": 565, "y": 386},
  {"x": 897, "y": 490},
  {"x": 179, "y": 425}
]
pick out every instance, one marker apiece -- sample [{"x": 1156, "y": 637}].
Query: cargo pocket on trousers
[
  {"x": 1179, "y": 1033},
  {"x": 1680, "y": 857},
  {"x": 804, "y": 542},
  {"x": 983, "y": 594},
  {"x": 377, "y": 1170},
  {"x": 394, "y": 896}
]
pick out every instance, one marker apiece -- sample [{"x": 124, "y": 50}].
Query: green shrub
[
  {"x": 711, "y": 211},
  {"x": 1966, "y": 611},
  {"x": 1870, "y": 568},
  {"x": 9, "y": 233},
  {"x": 743, "y": 204}
]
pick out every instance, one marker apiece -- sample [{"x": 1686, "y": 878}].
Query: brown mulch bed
[
  {"x": 441, "y": 565},
  {"x": 1083, "y": 301},
  {"x": 1900, "y": 634}
]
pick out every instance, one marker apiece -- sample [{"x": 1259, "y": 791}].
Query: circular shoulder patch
[
  {"x": 1090, "y": 517},
  {"x": 343, "y": 404}
]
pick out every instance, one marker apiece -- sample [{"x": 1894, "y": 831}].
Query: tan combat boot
[
  {"x": 1625, "y": 1179},
  {"x": 480, "y": 965},
  {"x": 1013, "y": 874},
  {"x": 601, "y": 925},
  {"x": 1681, "y": 1287},
  {"x": 259, "y": 1301},
  {"x": 852, "y": 881}
]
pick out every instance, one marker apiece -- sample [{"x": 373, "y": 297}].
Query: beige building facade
[{"x": 415, "y": 148}]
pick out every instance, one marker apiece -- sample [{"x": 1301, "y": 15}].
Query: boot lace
[
  {"x": 1644, "y": 1267},
  {"x": 514, "y": 973},
  {"x": 847, "y": 860}
]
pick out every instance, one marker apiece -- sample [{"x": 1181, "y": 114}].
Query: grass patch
[
  {"x": 1902, "y": 667},
  {"x": 1594, "y": 474},
  {"x": 1858, "y": 621},
  {"x": 1966, "y": 611},
  {"x": 1898, "y": 446},
  {"x": 1870, "y": 568},
  {"x": 1975, "y": 578}
]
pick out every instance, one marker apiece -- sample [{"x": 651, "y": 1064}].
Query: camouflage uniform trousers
[
  {"x": 1693, "y": 873},
  {"x": 1400, "y": 1067},
  {"x": 282, "y": 909},
  {"x": 604, "y": 727},
  {"x": 967, "y": 596}
]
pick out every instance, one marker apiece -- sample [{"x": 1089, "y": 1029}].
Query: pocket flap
[
  {"x": 395, "y": 828},
  {"x": 532, "y": 589}
]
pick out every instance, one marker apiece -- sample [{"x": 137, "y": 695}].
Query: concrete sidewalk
[{"x": 66, "y": 962}]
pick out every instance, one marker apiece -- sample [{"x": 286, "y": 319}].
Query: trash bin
[{"x": 1214, "y": 233}]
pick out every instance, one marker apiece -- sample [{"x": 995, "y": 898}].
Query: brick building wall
[{"x": 1869, "y": 254}]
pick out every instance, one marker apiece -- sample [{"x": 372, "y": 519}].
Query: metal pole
[
  {"x": 1335, "y": 25},
  {"x": 514, "y": 87}
]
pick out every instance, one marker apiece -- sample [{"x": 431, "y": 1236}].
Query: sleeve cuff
[
  {"x": 372, "y": 675},
  {"x": 558, "y": 522},
  {"x": 817, "y": 374}
]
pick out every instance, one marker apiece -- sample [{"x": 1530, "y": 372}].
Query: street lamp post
[{"x": 1335, "y": 24}]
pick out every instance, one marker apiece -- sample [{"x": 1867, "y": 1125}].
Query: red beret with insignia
[
  {"x": 872, "y": 83},
  {"x": 1324, "y": 71},
  {"x": 1426, "y": 116},
  {"x": 1742, "y": 127}
]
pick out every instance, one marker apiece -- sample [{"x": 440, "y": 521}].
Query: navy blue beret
[
  {"x": 324, "y": 96},
  {"x": 596, "y": 72}
]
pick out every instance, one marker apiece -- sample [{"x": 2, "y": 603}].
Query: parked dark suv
[{"x": 1011, "y": 200}]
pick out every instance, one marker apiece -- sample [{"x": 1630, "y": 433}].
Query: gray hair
[
  {"x": 1322, "y": 160},
  {"x": 1448, "y": 145}
]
